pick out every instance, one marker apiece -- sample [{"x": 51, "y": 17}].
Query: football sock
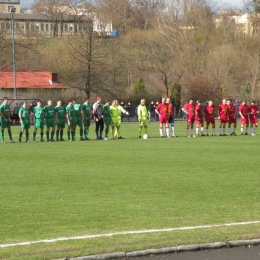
[
  {"x": 201, "y": 130},
  {"x": 197, "y": 131},
  {"x": 57, "y": 134},
  {"x": 146, "y": 130},
  {"x": 41, "y": 135},
  {"x": 160, "y": 130},
  {"x": 68, "y": 133},
  {"x": 3, "y": 135},
  {"x": 10, "y": 134},
  {"x": 52, "y": 134},
  {"x": 81, "y": 132},
  {"x": 139, "y": 131},
  {"x": 48, "y": 135},
  {"x": 34, "y": 135},
  {"x": 27, "y": 136},
  {"x": 167, "y": 131},
  {"x": 20, "y": 135},
  {"x": 61, "y": 135},
  {"x": 172, "y": 130}
]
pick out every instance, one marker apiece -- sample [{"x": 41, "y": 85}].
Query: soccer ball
[{"x": 145, "y": 136}]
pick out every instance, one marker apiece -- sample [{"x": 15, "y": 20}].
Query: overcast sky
[{"x": 233, "y": 3}]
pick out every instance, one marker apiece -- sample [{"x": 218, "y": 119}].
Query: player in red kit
[
  {"x": 170, "y": 115},
  {"x": 253, "y": 111},
  {"x": 223, "y": 117},
  {"x": 189, "y": 109},
  {"x": 243, "y": 112},
  {"x": 232, "y": 117},
  {"x": 209, "y": 117},
  {"x": 162, "y": 111},
  {"x": 199, "y": 119}
]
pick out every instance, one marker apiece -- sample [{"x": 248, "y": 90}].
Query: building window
[
  {"x": 71, "y": 27},
  {"x": 7, "y": 26},
  {"x": 66, "y": 28},
  {"x": 42, "y": 26},
  {"x": 46, "y": 27},
  {"x": 22, "y": 26},
  {"x": 2, "y": 26},
  {"x": 17, "y": 26},
  {"x": 32, "y": 26},
  {"x": 27, "y": 26}
]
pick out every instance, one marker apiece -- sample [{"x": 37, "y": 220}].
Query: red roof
[{"x": 29, "y": 79}]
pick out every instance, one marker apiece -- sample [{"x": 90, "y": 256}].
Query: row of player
[
  {"x": 110, "y": 115},
  {"x": 227, "y": 115}
]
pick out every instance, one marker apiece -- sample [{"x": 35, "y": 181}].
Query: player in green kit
[
  {"x": 120, "y": 111},
  {"x": 60, "y": 115},
  {"x": 79, "y": 118},
  {"x": 25, "y": 121},
  {"x": 87, "y": 114},
  {"x": 39, "y": 120},
  {"x": 107, "y": 117},
  {"x": 70, "y": 115},
  {"x": 114, "y": 118},
  {"x": 50, "y": 120},
  {"x": 5, "y": 120},
  {"x": 143, "y": 117}
]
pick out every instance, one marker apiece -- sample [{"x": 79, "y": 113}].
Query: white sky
[{"x": 232, "y": 3}]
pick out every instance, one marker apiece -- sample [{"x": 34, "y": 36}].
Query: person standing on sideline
[
  {"x": 170, "y": 115},
  {"x": 162, "y": 111},
  {"x": 223, "y": 117},
  {"x": 70, "y": 115},
  {"x": 232, "y": 117},
  {"x": 209, "y": 117},
  {"x": 39, "y": 120},
  {"x": 87, "y": 114},
  {"x": 253, "y": 111},
  {"x": 49, "y": 111},
  {"x": 60, "y": 115},
  {"x": 16, "y": 113},
  {"x": 189, "y": 110},
  {"x": 243, "y": 112},
  {"x": 25, "y": 121},
  {"x": 143, "y": 117},
  {"x": 5, "y": 120},
  {"x": 98, "y": 117},
  {"x": 199, "y": 119},
  {"x": 107, "y": 117}
]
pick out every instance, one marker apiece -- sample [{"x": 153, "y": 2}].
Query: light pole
[{"x": 14, "y": 67}]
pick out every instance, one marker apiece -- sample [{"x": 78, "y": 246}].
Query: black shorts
[{"x": 170, "y": 119}]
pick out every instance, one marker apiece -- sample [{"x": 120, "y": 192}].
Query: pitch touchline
[{"x": 126, "y": 233}]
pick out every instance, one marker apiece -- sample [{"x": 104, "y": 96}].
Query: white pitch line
[{"x": 126, "y": 233}]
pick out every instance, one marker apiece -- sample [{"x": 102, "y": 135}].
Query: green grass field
[{"x": 67, "y": 189}]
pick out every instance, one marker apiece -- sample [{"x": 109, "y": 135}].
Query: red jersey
[
  {"x": 190, "y": 108},
  {"x": 209, "y": 111},
  {"x": 223, "y": 110},
  {"x": 198, "y": 110},
  {"x": 231, "y": 110},
  {"x": 253, "y": 109},
  {"x": 170, "y": 110},
  {"x": 243, "y": 109},
  {"x": 162, "y": 109}
]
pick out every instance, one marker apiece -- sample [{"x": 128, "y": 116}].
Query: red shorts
[
  {"x": 210, "y": 120},
  {"x": 191, "y": 119},
  {"x": 223, "y": 119},
  {"x": 253, "y": 119},
  {"x": 244, "y": 121},
  {"x": 164, "y": 119},
  {"x": 232, "y": 120},
  {"x": 199, "y": 121}
]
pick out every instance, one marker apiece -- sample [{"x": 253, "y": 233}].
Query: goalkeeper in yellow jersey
[{"x": 143, "y": 117}]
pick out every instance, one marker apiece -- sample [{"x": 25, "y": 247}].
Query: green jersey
[
  {"x": 86, "y": 108},
  {"x": 77, "y": 109},
  {"x": 106, "y": 110},
  {"x": 60, "y": 112},
  {"x": 5, "y": 110},
  {"x": 113, "y": 111},
  {"x": 38, "y": 112},
  {"x": 142, "y": 111},
  {"x": 49, "y": 112},
  {"x": 24, "y": 112},
  {"x": 70, "y": 111}
]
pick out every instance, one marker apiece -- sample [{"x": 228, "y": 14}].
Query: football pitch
[{"x": 71, "y": 189}]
